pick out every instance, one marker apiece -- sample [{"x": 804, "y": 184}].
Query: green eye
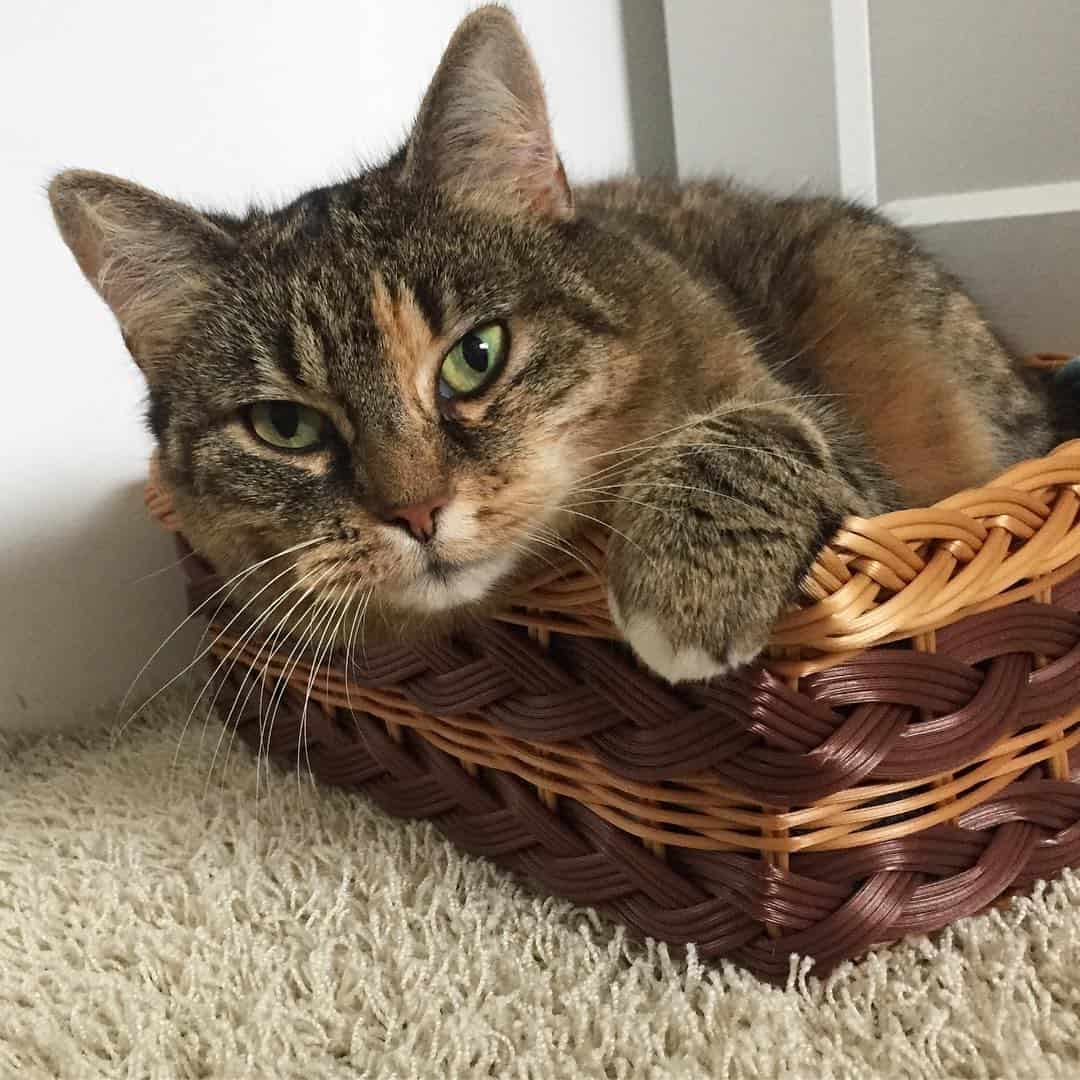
[
  {"x": 473, "y": 362},
  {"x": 287, "y": 425}
]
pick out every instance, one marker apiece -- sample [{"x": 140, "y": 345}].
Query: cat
[{"x": 394, "y": 393}]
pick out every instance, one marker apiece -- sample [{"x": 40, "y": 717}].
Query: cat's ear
[
  {"x": 149, "y": 258},
  {"x": 483, "y": 125}
]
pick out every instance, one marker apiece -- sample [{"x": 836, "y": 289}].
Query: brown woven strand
[
  {"x": 698, "y": 811},
  {"x": 904, "y": 756},
  {"x": 754, "y": 735},
  {"x": 829, "y": 906}
]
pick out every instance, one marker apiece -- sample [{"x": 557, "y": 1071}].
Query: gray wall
[
  {"x": 975, "y": 95},
  {"x": 752, "y": 91},
  {"x": 899, "y": 103}
]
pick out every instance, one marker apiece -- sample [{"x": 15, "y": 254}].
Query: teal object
[{"x": 1068, "y": 376}]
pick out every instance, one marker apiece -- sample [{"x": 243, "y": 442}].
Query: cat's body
[
  {"x": 840, "y": 302},
  {"x": 417, "y": 381}
]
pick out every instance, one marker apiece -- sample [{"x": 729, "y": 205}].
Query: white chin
[{"x": 459, "y": 589}]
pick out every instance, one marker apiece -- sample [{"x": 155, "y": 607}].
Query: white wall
[{"x": 219, "y": 103}]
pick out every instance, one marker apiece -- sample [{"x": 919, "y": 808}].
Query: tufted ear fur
[
  {"x": 149, "y": 258},
  {"x": 483, "y": 125}
]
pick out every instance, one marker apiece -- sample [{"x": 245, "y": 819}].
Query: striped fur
[{"x": 717, "y": 376}]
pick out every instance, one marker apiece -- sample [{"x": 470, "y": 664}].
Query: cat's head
[{"x": 406, "y": 374}]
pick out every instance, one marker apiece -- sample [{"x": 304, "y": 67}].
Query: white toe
[{"x": 655, "y": 649}]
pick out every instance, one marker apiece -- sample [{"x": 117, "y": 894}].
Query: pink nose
[{"x": 420, "y": 518}]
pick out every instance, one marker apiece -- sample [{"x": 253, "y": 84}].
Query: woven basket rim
[
  {"x": 720, "y": 818},
  {"x": 883, "y": 579}
]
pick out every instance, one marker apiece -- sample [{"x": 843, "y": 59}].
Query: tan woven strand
[{"x": 903, "y": 573}]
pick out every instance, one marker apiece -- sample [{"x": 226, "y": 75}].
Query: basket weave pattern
[{"x": 905, "y": 756}]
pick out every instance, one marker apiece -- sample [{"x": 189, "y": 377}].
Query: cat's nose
[{"x": 420, "y": 519}]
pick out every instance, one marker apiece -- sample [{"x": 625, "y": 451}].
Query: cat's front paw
[
  {"x": 680, "y": 651},
  {"x": 699, "y": 603},
  {"x": 718, "y": 526}
]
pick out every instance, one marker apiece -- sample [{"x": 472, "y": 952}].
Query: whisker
[
  {"x": 317, "y": 630},
  {"x": 614, "y": 492},
  {"x": 161, "y": 689},
  {"x": 162, "y": 570},
  {"x": 237, "y": 650},
  {"x": 233, "y": 654},
  {"x": 716, "y": 414},
  {"x": 358, "y": 615},
  {"x": 281, "y": 684},
  {"x": 527, "y": 553},
  {"x": 350, "y": 641},
  {"x": 234, "y": 581},
  {"x": 559, "y": 544},
  {"x": 615, "y": 497},
  {"x": 363, "y": 623},
  {"x": 292, "y": 662},
  {"x": 252, "y": 630},
  {"x": 270, "y": 643},
  {"x": 242, "y": 642},
  {"x": 279, "y": 633},
  {"x": 617, "y": 532},
  {"x": 688, "y": 449},
  {"x": 323, "y": 649}
]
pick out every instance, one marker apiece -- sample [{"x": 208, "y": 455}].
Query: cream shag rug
[{"x": 152, "y": 927}]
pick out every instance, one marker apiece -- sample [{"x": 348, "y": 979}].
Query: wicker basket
[{"x": 904, "y": 757}]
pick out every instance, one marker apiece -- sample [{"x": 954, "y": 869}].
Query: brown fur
[
  {"x": 920, "y": 419},
  {"x": 407, "y": 341},
  {"x": 715, "y": 375},
  {"x": 921, "y": 413}
]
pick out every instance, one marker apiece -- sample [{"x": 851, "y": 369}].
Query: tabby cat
[{"x": 395, "y": 392}]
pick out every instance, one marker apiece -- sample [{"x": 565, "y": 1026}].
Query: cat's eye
[
  {"x": 287, "y": 425},
  {"x": 474, "y": 361}
]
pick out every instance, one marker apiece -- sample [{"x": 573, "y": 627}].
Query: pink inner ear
[
  {"x": 561, "y": 203},
  {"x": 483, "y": 125},
  {"x": 509, "y": 157}
]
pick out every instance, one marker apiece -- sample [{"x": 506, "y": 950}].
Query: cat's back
[
  {"x": 679, "y": 210},
  {"x": 844, "y": 302},
  {"x": 773, "y": 253}
]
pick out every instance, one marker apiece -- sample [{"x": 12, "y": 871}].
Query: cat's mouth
[
  {"x": 443, "y": 584},
  {"x": 446, "y": 569}
]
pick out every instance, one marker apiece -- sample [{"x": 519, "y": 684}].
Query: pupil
[
  {"x": 475, "y": 351},
  {"x": 285, "y": 417}
]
